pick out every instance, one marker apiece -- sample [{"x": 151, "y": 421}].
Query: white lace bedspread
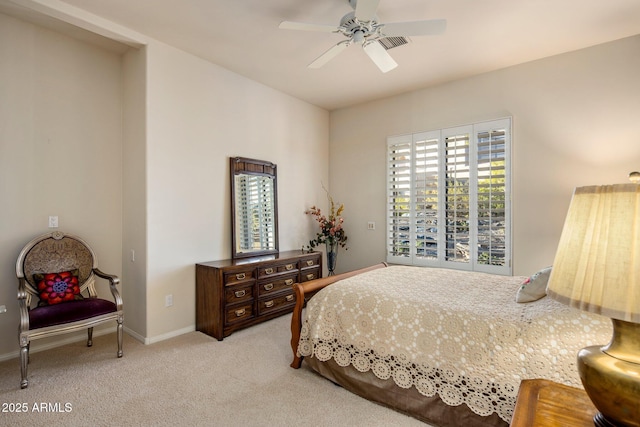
[{"x": 457, "y": 334}]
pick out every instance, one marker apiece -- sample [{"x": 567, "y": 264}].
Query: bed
[{"x": 447, "y": 347}]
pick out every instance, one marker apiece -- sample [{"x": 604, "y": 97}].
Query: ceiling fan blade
[
  {"x": 415, "y": 28},
  {"x": 329, "y": 55},
  {"x": 288, "y": 25},
  {"x": 379, "y": 56},
  {"x": 366, "y": 9}
]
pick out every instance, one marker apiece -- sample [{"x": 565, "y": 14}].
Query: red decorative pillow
[{"x": 55, "y": 288}]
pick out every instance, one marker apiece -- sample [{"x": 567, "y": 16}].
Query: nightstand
[{"x": 543, "y": 403}]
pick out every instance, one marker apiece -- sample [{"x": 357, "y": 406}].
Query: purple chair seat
[{"x": 68, "y": 312}]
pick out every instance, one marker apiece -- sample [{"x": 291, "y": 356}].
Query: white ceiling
[{"x": 481, "y": 35}]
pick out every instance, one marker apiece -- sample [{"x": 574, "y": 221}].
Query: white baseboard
[
  {"x": 37, "y": 346},
  {"x": 171, "y": 334},
  {"x": 134, "y": 334},
  {"x": 147, "y": 341}
]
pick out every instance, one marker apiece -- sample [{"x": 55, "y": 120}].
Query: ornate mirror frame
[{"x": 254, "y": 207}]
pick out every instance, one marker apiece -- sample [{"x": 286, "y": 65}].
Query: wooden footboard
[{"x": 307, "y": 290}]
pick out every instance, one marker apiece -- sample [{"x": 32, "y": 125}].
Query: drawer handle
[
  {"x": 310, "y": 262},
  {"x": 288, "y": 282},
  {"x": 311, "y": 276},
  {"x": 240, "y": 276},
  {"x": 269, "y": 304},
  {"x": 240, "y": 294},
  {"x": 241, "y": 312},
  {"x": 288, "y": 267},
  {"x": 268, "y": 286},
  {"x": 289, "y": 297},
  {"x": 268, "y": 270}
]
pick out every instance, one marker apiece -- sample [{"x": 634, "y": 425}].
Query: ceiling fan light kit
[{"x": 362, "y": 27}]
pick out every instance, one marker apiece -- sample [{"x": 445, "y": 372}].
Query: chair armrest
[
  {"x": 113, "y": 282},
  {"x": 22, "y": 290},
  {"x": 113, "y": 279},
  {"x": 23, "y": 304}
]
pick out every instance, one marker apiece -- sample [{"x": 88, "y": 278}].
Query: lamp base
[
  {"x": 600, "y": 421},
  {"x": 611, "y": 377}
]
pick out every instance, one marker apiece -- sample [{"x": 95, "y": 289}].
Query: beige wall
[
  {"x": 134, "y": 192},
  {"x": 198, "y": 116},
  {"x": 131, "y": 152},
  {"x": 60, "y": 150},
  {"x": 575, "y": 123}
]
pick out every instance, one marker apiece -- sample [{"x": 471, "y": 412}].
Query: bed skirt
[{"x": 408, "y": 401}]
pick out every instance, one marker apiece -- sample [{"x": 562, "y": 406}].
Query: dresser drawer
[
  {"x": 309, "y": 262},
  {"x": 239, "y": 313},
  {"x": 278, "y": 284},
  {"x": 239, "y": 277},
  {"x": 239, "y": 293},
  {"x": 267, "y": 305},
  {"x": 277, "y": 268},
  {"x": 309, "y": 274}
]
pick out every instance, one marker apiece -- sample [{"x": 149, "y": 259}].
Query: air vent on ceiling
[{"x": 391, "y": 42}]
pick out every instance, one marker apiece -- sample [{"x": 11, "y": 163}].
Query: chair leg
[
  {"x": 24, "y": 365},
  {"x": 119, "y": 333},
  {"x": 89, "y": 337}
]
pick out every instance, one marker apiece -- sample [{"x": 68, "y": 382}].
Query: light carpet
[{"x": 189, "y": 380}]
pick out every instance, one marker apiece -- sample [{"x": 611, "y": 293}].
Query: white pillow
[{"x": 535, "y": 287}]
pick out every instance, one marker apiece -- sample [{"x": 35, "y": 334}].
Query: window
[{"x": 449, "y": 198}]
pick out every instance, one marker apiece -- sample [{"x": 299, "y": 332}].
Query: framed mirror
[{"x": 254, "y": 207}]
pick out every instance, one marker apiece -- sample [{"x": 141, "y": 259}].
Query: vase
[{"x": 332, "y": 255}]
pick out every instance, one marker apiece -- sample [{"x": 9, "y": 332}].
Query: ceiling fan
[{"x": 362, "y": 27}]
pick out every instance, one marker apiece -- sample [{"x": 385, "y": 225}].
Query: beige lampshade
[{"x": 597, "y": 265}]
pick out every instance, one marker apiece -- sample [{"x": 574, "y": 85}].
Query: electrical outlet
[
  {"x": 371, "y": 225},
  {"x": 168, "y": 300},
  {"x": 3, "y": 309},
  {"x": 53, "y": 222}
]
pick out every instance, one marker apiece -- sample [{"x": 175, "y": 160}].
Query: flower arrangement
[{"x": 331, "y": 231}]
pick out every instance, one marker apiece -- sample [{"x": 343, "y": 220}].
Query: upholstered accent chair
[{"x": 57, "y": 294}]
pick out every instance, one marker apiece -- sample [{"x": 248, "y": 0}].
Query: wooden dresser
[{"x": 235, "y": 294}]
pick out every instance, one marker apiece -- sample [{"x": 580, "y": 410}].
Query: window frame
[{"x": 397, "y": 174}]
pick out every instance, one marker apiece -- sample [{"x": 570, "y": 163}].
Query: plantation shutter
[
  {"x": 448, "y": 198},
  {"x": 243, "y": 220},
  {"x": 399, "y": 169},
  {"x": 425, "y": 197},
  {"x": 493, "y": 242},
  {"x": 457, "y": 194},
  {"x": 256, "y": 228},
  {"x": 266, "y": 232}
]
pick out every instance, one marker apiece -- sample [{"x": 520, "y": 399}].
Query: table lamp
[{"x": 597, "y": 269}]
